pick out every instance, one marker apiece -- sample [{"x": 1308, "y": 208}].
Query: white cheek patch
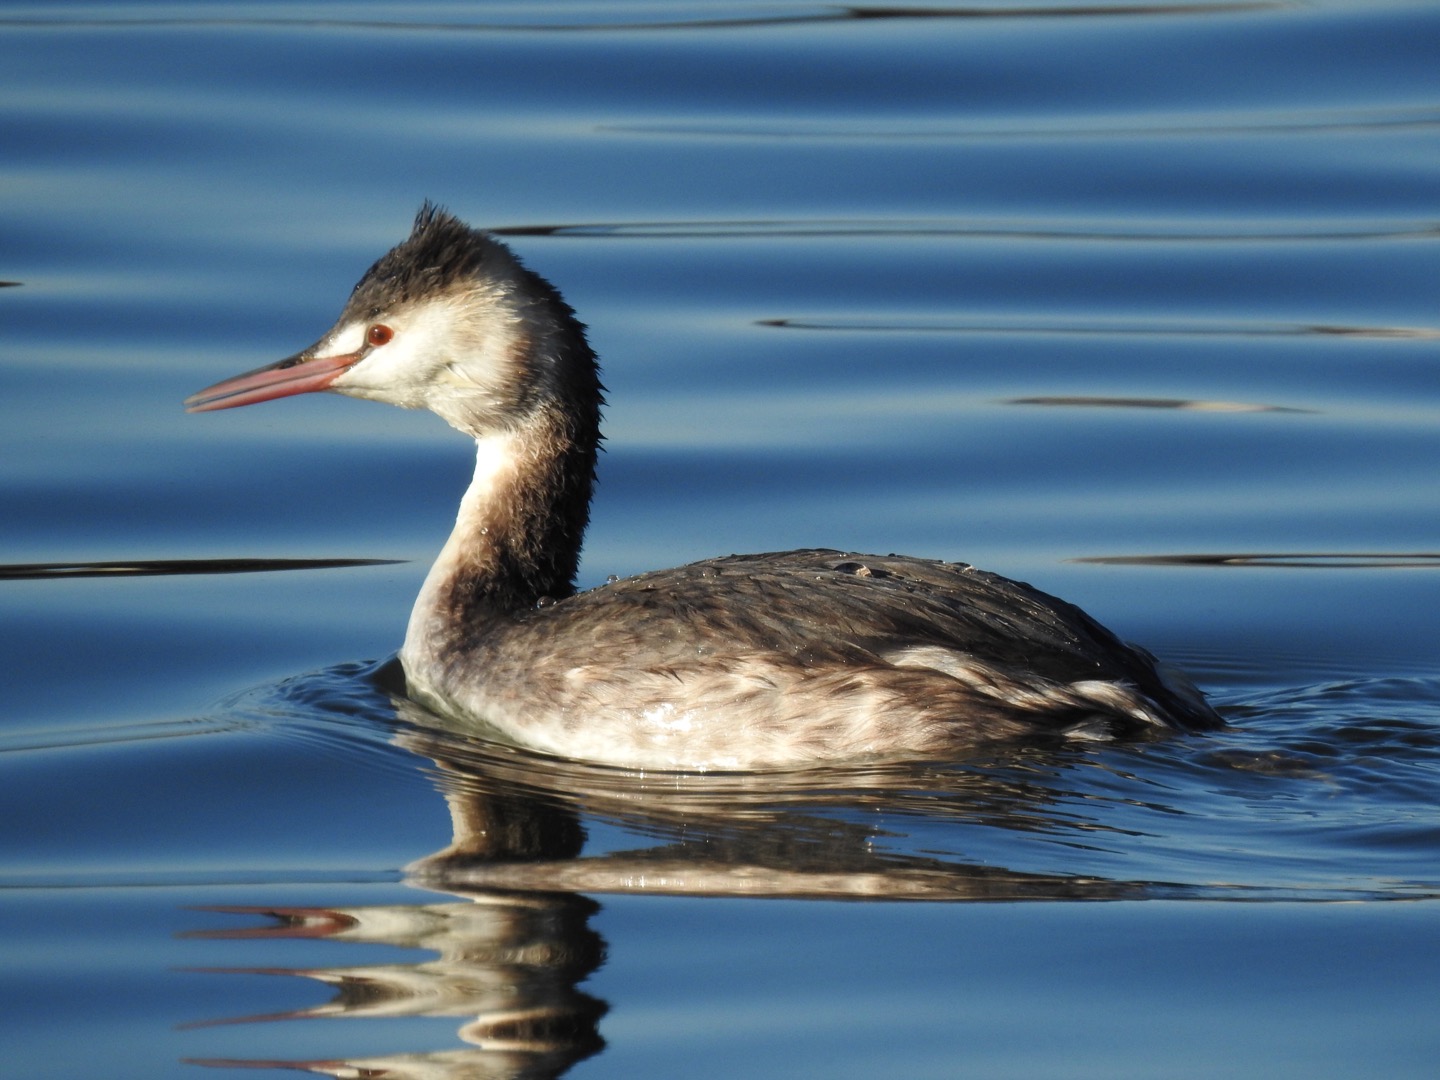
[
  {"x": 397, "y": 371},
  {"x": 456, "y": 356}
]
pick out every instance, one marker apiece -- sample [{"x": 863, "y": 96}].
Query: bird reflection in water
[
  {"x": 511, "y": 955},
  {"x": 508, "y": 963}
]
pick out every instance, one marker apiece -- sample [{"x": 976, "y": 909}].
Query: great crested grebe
[{"x": 778, "y": 660}]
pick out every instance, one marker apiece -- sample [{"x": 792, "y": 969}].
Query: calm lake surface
[{"x": 1136, "y": 302}]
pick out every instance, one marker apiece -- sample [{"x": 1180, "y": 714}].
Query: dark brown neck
[{"x": 517, "y": 536}]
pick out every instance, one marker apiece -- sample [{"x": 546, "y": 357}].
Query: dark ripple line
[
  {"x": 73, "y": 738},
  {"x": 1320, "y": 560},
  {"x": 1116, "y": 329},
  {"x": 176, "y": 567},
  {"x": 788, "y": 229},
  {"x": 829, "y": 14},
  {"x": 1179, "y": 404}
]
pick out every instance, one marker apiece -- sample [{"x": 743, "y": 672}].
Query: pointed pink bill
[{"x": 294, "y": 375}]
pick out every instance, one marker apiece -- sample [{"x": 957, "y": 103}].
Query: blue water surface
[{"x": 1132, "y": 301}]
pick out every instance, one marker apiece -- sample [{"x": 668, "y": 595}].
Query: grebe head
[{"x": 448, "y": 320}]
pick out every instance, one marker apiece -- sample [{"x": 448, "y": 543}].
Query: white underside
[{"x": 761, "y": 715}]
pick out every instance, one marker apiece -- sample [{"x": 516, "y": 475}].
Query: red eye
[{"x": 378, "y": 335}]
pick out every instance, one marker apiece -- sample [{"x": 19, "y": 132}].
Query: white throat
[{"x": 431, "y": 619}]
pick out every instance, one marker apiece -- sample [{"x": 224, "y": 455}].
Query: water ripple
[
  {"x": 1034, "y": 324},
  {"x": 1145, "y": 126},
  {"x": 823, "y": 14},
  {"x": 1184, "y": 404},
  {"x": 1334, "y": 560},
  {"x": 175, "y": 567},
  {"x": 1129, "y": 229}
]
